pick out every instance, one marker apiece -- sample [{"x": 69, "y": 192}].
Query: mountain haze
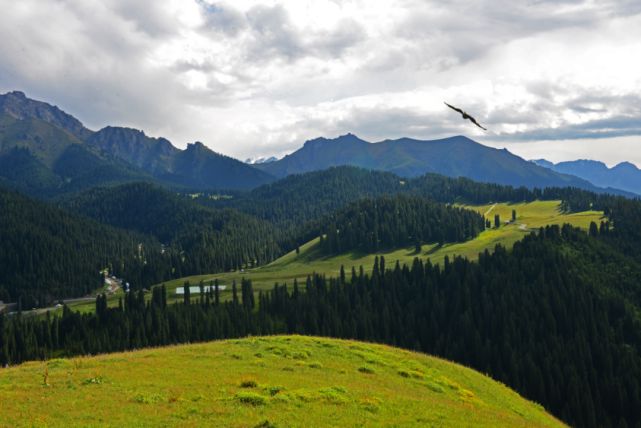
[
  {"x": 454, "y": 157},
  {"x": 625, "y": 175}
]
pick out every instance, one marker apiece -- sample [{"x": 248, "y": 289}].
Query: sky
[{"x": 557, "y": 80}]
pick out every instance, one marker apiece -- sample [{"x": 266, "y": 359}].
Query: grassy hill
[{"x": 276, "y": 381}]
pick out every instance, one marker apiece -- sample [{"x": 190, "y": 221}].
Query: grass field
[
  {"x": 285, "y": 269},
  {"x": 277, "y": 381}
]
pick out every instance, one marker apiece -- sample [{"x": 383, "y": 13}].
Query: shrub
[
  {"x": 288, "y": 368},
  {"x": 267, "y": 424},
  {"x": 404, "y": 373},
  {"x": 315, "y": 365},
  {"x": 367, "y": 369},
  {"x": 306, "y": 395},
  {"x": 333, "y": 394},
  {"x": 273, "y": 390},
  {"x": 249, "y": 383},
  {"x": 371, "y": 404},
  {"x": 284, "y": 397},
  {"x": 237, "y": 356},
  {"x": 258, "y": 355},
  {"x": 251, "y": 398},
  {"x": 434, "y": 387}
]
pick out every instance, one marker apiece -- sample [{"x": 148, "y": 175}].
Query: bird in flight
[{"x": 465, "y": 115}]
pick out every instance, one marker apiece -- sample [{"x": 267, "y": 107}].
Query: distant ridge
[
  {"x": 47, "y": 132},
  {"x": 454, "y": 157},
  {"x": 624, "y": 176}
]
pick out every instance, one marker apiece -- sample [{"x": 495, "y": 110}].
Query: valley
[{"x": 311, "y": 259}]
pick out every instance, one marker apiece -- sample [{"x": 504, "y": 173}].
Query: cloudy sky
[{"x": 549, "y": 79}]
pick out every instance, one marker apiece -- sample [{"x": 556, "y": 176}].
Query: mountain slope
[
  {"x": 49, "y": 253},
  {"x": 48, "y": 132},
  {"x": 625, "y": 175},
  {"x": 456, "y": 156},
  {"x": 40, "y": 159},
  {"x": 132, "y": 145},
  {"x": 299, "y": 381},
  {"x": 17, "y": 105},
  {"x": 212, "y": 169}
]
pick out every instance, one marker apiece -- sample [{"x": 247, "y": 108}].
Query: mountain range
[
  {"x": 624, "y": 176},
  {"x": 454, "y": 157},
  {"x": 46, "y": 151}
]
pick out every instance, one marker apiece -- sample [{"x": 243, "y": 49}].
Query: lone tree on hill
[
  {"x": 497, "y": 221},
  {"x": 513, "y": 215}
]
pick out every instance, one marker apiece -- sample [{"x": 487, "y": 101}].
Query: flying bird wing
[
  {"x": 472, "y": 119},
  {"x": 454, "y": 108}
]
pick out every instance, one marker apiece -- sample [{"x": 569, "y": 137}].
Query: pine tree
[
  {"x": 4, "y": 346},
  {"x": 513, "y": 215},
  {"x": 187, "y": 293}
]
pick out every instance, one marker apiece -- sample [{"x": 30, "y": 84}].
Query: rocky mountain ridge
[{"x": 155, "y": 157}]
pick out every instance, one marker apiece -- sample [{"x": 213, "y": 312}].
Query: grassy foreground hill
[{"x": 276, "y": 381}]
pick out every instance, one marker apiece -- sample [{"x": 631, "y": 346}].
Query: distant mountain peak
[{"x": 258, "y": 160}]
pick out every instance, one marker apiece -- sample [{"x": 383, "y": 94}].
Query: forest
[
  {"x": 247, "y": 229},
  {"x": 555, "y": 319}
]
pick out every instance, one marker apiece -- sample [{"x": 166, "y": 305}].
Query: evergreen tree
[{"x": 187, "y": 293}]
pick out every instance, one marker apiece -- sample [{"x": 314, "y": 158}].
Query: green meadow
[
  {"x": 534, "y": 214},
  {"x": 274, "y": 381}
]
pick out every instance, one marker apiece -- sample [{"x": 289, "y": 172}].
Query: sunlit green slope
[{"x": 278, "y": 381}]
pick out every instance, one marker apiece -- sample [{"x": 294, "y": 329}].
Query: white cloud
[{"x": 261, "y": 77}]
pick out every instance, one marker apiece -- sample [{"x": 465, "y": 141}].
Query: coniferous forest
[
  {"x": 556, "y": 318},
  {"x": 552, "y": 319}
]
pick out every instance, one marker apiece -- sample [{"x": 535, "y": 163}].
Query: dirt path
[
  {"x": 488, "y": 211},
  {"x": 522, "y": 226}
]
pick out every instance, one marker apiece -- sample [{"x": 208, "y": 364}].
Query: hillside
[
  {"x": 40, "y": 159},
  {"x": 454, "y": 157},
  {"x": 48, "y": 132},
  {"x": 47, "y": 253},
  {"x": 288, "y": 381},
  {"x": 625, "y": 175}
]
